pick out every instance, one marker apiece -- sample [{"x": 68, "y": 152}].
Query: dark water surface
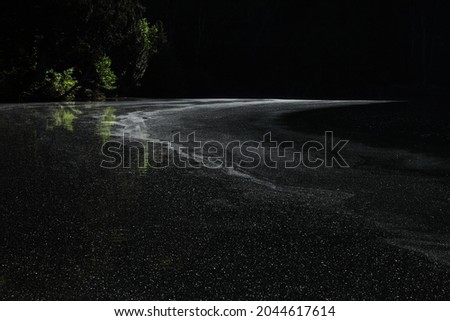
[{"x": 71, "y": 230}]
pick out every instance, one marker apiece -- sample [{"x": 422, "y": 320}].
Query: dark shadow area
[
  {"x": 294, "y": 48},
  {"x": 418, "y": 126}
]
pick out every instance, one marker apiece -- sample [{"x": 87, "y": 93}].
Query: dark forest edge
[
  {"x": 75, "y": 49},
  {"x": 92, "y": 49}
]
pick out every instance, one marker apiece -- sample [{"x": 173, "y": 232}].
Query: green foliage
[
  {"x": 62, "y": 84},
  {"x": 83, "y": 48},
  {"x": 107, "y": 78},
  {"x": 55, "y": 86},
  {"x": 142, "y": 43},
  {"x": 149, "y": 35}
]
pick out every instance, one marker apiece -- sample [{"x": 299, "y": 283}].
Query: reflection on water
[
  {"x": 107, "y": 120},
  {"x": 64, "y": 117},
  {"x": 70, "y": 229},
  {"x": 66, "y": 114},
  {"x": 144, "y": 169},
  {"x": 70, "y": 223}
]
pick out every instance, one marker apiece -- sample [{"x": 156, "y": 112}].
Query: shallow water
[{"x": 74, "y": 230}]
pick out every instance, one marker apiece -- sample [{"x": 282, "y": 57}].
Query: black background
[{"x": 298, "y": 48}]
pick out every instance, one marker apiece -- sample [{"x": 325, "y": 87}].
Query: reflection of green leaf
[
  {"x": 2, "y": 280},
  {"x": 64, "y": 117},
  {"x": 144, "y": 169},
  {"x": 106, "y": 122}
]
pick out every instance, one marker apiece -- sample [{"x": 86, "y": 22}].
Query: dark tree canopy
[
  {"x": 257, "y": 48},
  {"x": 74, "y": 48}
]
